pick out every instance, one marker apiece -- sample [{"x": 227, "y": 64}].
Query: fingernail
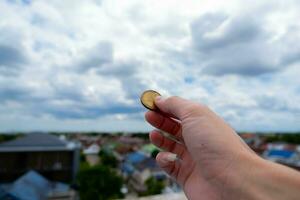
[
  {"x": 159, "y": 98},
  {"x": 170, "y": 157}
]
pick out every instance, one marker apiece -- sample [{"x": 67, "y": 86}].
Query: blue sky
[{"x": 82, "y": 65}]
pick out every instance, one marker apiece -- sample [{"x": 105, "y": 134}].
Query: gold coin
[{"x": 147, "y": 99}]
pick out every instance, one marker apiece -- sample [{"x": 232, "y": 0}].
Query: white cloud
[{"x": 88, "y": 61}]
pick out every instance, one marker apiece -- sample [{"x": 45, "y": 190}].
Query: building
[
  {"x": 91, "y": 154},
  {"x": 138, "y": 167},
  {"x": 286, "y": 154},
  {"x": 53, "y": 158},
  {"x": 34, "y": 186}
]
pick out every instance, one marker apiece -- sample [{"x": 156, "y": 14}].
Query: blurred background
[{"x": 71, "y": 73}]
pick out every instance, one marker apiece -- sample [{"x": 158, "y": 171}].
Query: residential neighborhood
[
  {"x": 84, "y": 83},
  {"x": 60, "y": 165}
]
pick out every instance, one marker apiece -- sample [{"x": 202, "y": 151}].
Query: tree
[
  {"x": 154, "y": 153},
  {"x": 8, "y": 137},
  {"x": 82, "y": 157},
  {"x": 154, "y": 186},
  {"x": 289, "y": 138},
  {"x": 99, "y": 182},
  {"x": 108, "y": 159}
]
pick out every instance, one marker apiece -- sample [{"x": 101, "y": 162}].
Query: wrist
[
  {"x": 278, "y": 181},
  {"x": 241, "y": 180},
  {"x": 262, "y": 179}
]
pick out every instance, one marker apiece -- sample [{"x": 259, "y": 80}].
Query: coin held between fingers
[{"x": 148, "y": 99}]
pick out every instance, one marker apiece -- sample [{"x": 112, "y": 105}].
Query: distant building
[
  {"x": 255, "y": 141},
  {"x": 127, "y": 139},
  {"x": 92, "y": 149},
  {"x": 34, "y": 186},
  {"x": 55, "y": 159},
  {"x": 91, "y": 154},
  {"x": 286, "y": 154},
  {"x": 252, "y": 140},
  {"x": 279, "y": 155},
  {"x": 136, "y": 157},
  {"x": 150, "y": 164},
  {"x": 138, "y": 167},
  {"x": 130, "y": 161},
  {"x": 276, "y": 146}
]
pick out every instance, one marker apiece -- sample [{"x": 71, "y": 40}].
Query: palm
[{"x": 190, "y": 178}]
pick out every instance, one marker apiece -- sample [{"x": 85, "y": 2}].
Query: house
[
  {"x": 127, "y": 139},
  {"x": 151, "y": 165},
  {"x": 136, "y": 157},
  {"x": 283, "y": 153},
  {"x": 281, "y": 146},
  {"x": 92, "y": 149},
  {"x": 4, "y": 195},
  {"x": 91, "y": 154},
  {"x": 138, "y": 167},
  {"x": 33, "y": 186},
  {"x": 252, "y": 140},
  {"x": 55, "y": 159},
  {"x": 129, "y": 162},
  {"x": 279, "y": 154},
  {"x": 282, "y": 156},
  {"x": 127, "y": 169}
]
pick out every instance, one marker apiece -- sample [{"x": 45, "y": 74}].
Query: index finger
[
  {"x": 165, "y": 124},
  {"x": 176, "y": 107}
]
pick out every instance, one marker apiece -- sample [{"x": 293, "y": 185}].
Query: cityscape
[
  {"x": 75, "y": 115},
  {"x": 70, "y": 166}
]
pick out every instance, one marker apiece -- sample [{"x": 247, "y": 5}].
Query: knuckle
[
  {"x": 196, "y": 109},
  {"x": 172, "y": 99},
  {"x": 186, "y": 108},
  {"x": 203, "y": 107}
]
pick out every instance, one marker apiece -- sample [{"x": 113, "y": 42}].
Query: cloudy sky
[{"x": 82, "y": 65}]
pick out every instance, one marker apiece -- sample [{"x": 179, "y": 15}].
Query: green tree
[
  {"x": 99, "y": 183},
  {"x": 154, "y": 186},
  {"x": 154, "y": 153},
  {"x": 288, "y": 138},
  {"x": 108, "y": 159},
  {"x": 8, "y": 137},
  {"x": 82, "y": 157}
]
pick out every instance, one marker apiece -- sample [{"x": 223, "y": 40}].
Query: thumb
[{"x": 176, "y": 107}]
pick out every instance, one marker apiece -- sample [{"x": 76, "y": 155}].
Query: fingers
[
  {"x": 165, "y": 124},
  {"x": 167, "y": 161},
  {"x": 166, "y": 144},
  {"x": 177, "y": 166},
  {"x": 179, "y": 108}
]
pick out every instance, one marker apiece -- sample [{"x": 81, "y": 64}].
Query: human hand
[{"x": 214, "y": 163}]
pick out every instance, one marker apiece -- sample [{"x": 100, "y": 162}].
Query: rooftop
[
  {"x": 33, "y": 186},
  {"x": 280, "y": 153},
  {"x": 36, "y": 141},
  {"x": 136, "y": 157}
]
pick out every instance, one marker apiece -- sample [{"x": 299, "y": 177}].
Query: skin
[{"x": 214, "y": 163}]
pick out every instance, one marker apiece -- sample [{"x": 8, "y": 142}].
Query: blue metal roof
[
  {"x": 280, "y": 153},
  {"x": 4, "y": 195},
  {"x": 33, "y": 186},
  {"x": 148, "y": 163},
  {"x": 127, "y": 168},
  {"x": 135, "y": 157}
]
